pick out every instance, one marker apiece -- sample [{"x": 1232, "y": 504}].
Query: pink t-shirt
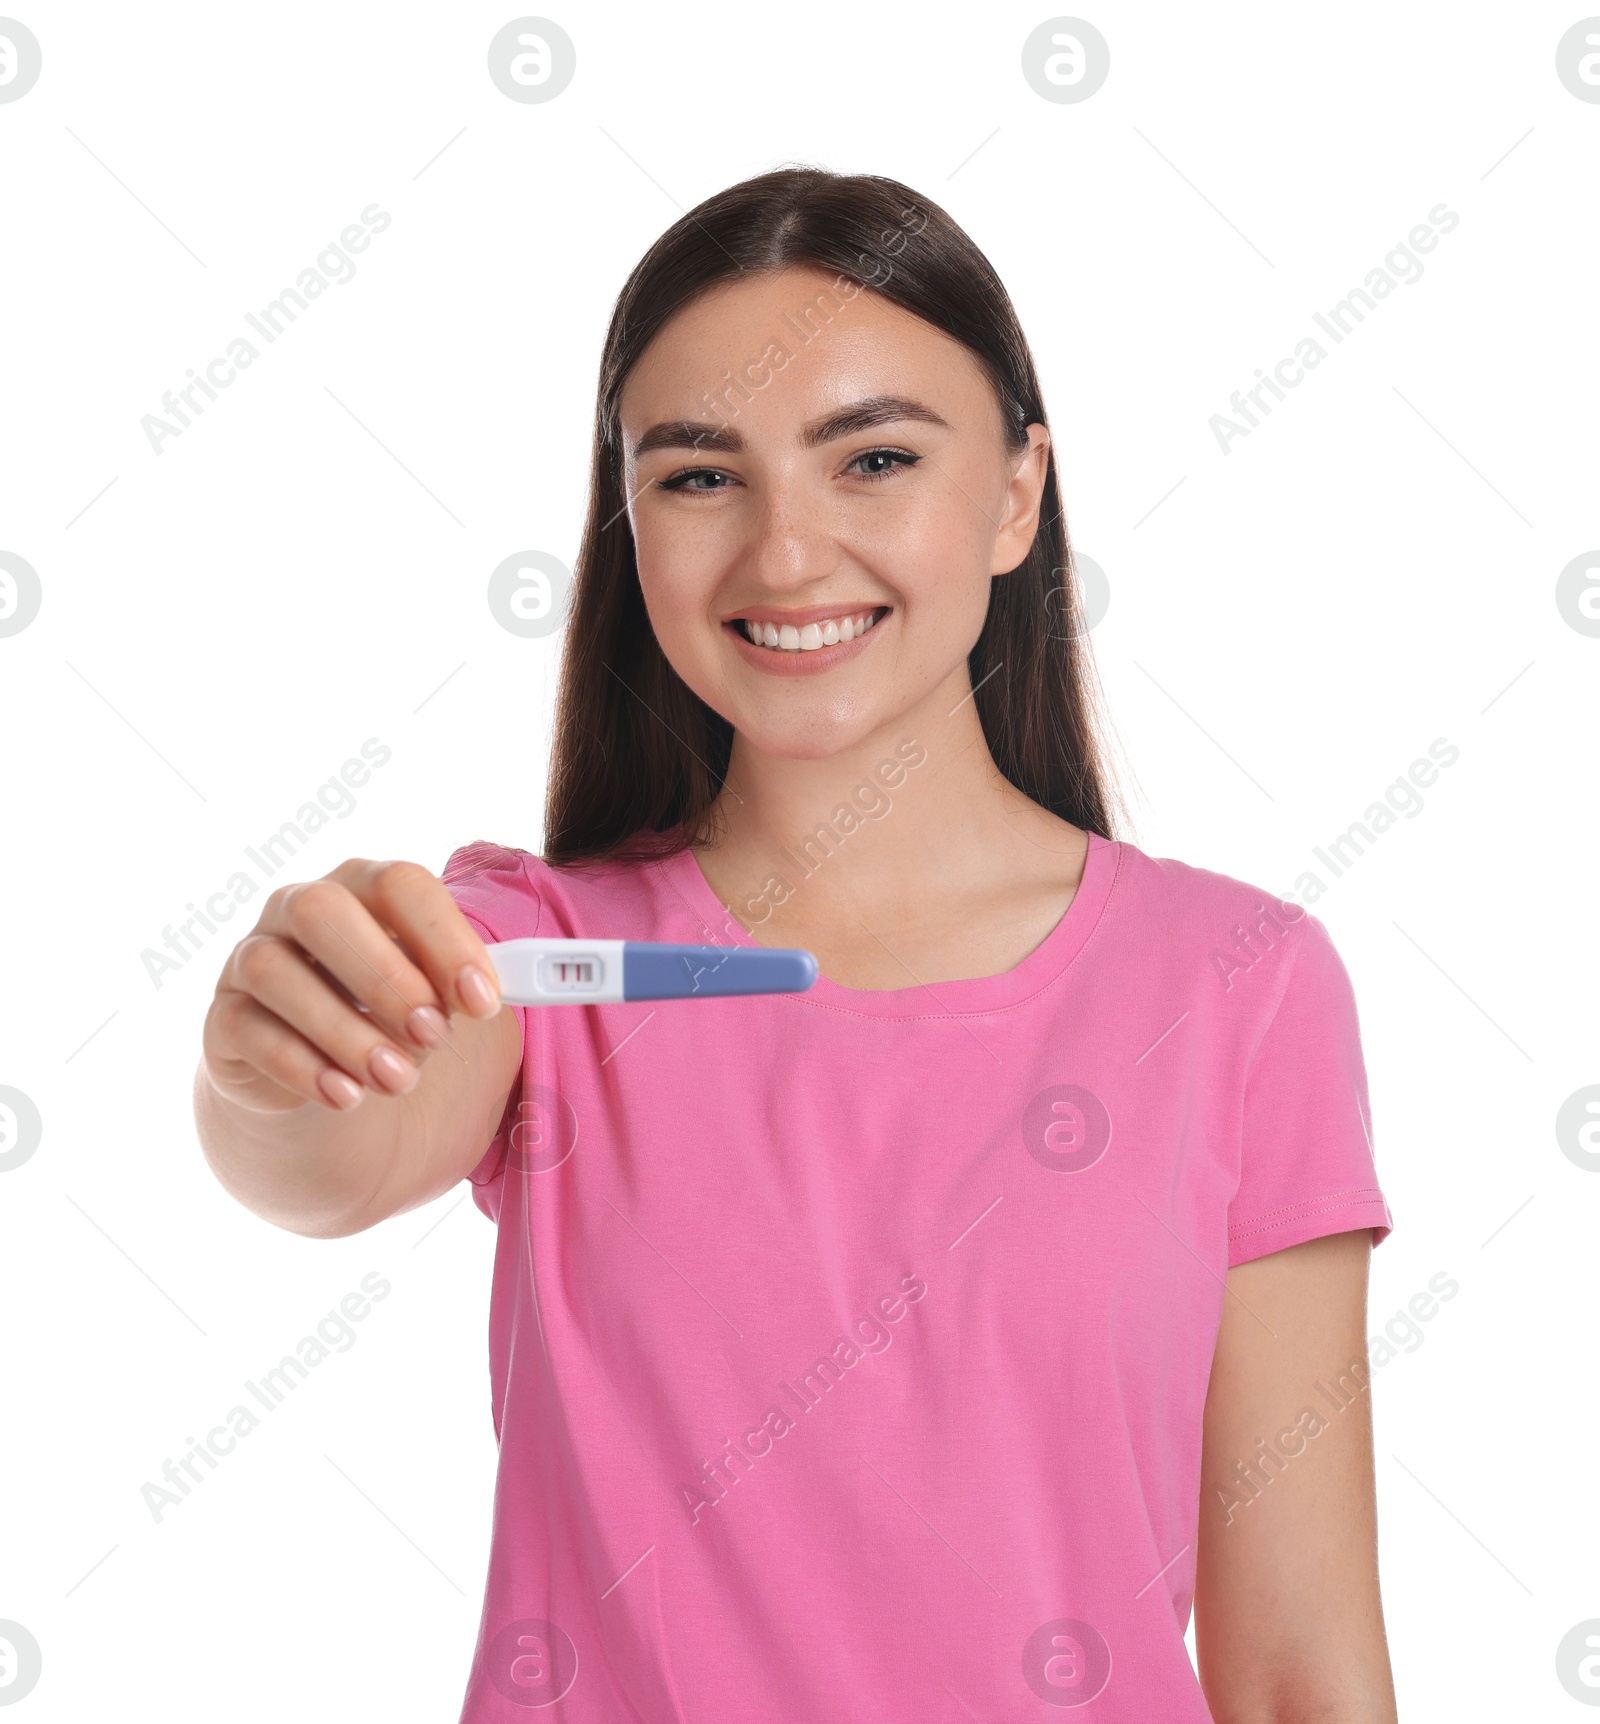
[{"x": 849, "y": 1349}]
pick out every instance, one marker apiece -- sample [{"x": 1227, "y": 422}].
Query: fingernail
[
  {"x": 476, "y": 991},
  {"x": 388, "y": 1069},
  {"x": 427, "y": 1026},
  {"x": 343, "y": 1091}
]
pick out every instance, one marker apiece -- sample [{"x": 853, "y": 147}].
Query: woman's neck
[{"x": 913, "y": 837}]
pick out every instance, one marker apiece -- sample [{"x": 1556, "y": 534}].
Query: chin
[{"x": 803, "y": 742}]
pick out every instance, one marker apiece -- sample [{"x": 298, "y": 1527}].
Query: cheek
[
  {"x": 942, "y": 519},
  {"x": 934, "y": 547},
  {"x": 679, "y": 564}
]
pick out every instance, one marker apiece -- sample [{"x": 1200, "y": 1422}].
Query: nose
[{"x": 794, "y": 544}]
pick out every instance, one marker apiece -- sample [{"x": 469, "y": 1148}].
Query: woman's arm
[{"x": 1288, "y": 1623}]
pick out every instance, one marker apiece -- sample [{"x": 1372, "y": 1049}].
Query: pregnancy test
[{"x": 605, "y": 972}]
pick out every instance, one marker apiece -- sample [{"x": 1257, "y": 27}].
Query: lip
[{"x": 812, "y": 663}]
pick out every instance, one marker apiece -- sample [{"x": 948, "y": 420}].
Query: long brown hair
[{"x": 636, "y": 752}]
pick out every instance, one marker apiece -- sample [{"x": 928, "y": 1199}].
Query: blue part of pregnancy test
[
  {"x": 552, "y": 972},
  {"x": 652, "y": 971}
]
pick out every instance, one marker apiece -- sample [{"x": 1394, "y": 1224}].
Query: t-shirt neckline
[{"x": 1037, "y": 970}]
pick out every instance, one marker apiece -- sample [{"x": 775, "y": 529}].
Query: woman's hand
[
  {"x": 345, "y": 984},
  {"x": 353, "y": 982}
]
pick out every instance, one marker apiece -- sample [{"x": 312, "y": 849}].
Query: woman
[{"x": 923, "y": 1345}]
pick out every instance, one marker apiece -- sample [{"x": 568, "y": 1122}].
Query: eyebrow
[{"x": 858, "y": 416}]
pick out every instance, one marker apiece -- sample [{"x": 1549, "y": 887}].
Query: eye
[
  {"x": 871, "y": 464},
  {"x": 895, "y": 457},
  {"x": 682, "y": 480}
]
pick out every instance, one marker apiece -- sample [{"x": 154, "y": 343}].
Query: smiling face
[{"x": 848, "y": 504}]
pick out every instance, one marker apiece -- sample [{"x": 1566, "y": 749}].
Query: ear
[{"x": 1024, "y": 496}]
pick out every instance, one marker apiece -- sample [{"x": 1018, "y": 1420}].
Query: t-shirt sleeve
[
  {"x": 1306, "y": 1165},
  {"x": 487, "y": 882}
]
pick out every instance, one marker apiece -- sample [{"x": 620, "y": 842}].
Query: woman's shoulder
[
  {"x": 1211, "y": 931},
  {"x": 1184, "y": 895},
  {"x": 518, "y": 893}
]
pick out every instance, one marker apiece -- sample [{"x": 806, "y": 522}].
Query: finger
[
  {"x": 276, "y": 973},
  {"x": 254, "y": 1057},
  {"x": 335, "y": 929},
  {"x": 429, "y": 925}
]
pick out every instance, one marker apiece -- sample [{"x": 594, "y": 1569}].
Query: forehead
[{"x": 798, "y": 341}]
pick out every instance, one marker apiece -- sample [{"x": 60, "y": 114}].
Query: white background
[{"x": 305, "y": 567}]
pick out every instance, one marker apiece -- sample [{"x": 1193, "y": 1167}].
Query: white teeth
[{"x": 787, "y": 638}]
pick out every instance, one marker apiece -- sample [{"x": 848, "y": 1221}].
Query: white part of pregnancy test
[{"x": 558, "y": 972}]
